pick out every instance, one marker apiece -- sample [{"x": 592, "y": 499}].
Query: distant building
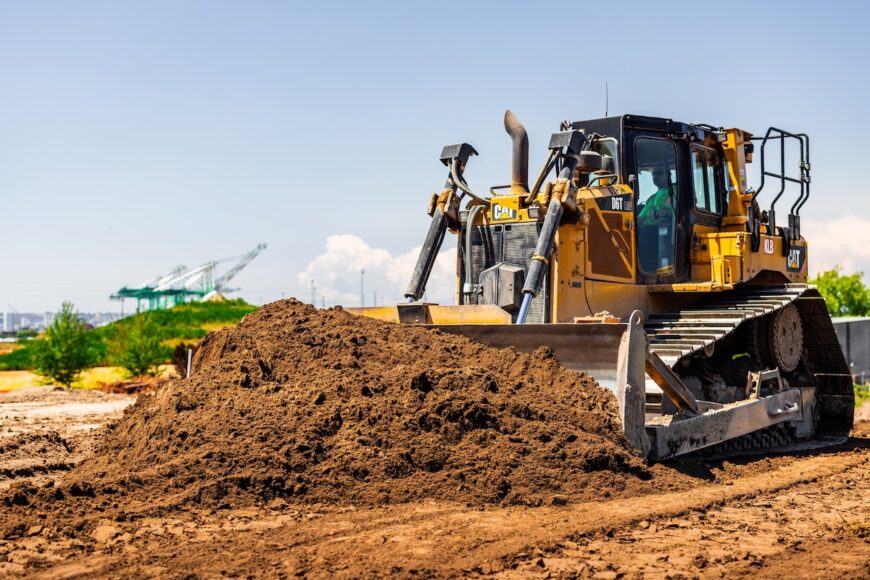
[
  {"x": 853, "y": 332},
  {"x": 8, "y": 321},
  {"x": 11, "y": 321}
]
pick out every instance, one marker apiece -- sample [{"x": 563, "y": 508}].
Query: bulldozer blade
[
  {"x": 589, "y": 348},
  {"x": 617, "y": 356}
]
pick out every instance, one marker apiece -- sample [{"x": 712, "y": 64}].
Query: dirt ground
[
  {"x": 802, "y": 515},
  {"x": 47, "y": 430}
]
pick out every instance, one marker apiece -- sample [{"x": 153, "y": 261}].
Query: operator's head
[{"x": 660, "y": 176}]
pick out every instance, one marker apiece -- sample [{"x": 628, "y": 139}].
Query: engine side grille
[{"x": 512, "y": 244}]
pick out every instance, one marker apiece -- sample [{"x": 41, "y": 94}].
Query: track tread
[{"x": 677, "y": 335}]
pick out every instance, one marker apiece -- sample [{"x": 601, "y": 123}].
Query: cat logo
[
  {"x": 500, "y": 212},
  {"x": 768, "y": 245},
  {"x": 795, "y": 259}
]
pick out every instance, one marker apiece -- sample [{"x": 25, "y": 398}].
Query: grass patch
[
  {"x": 862, "y": 394},
  {"x": 190, "y": 322},
  {"x": 16, "y": 360}
]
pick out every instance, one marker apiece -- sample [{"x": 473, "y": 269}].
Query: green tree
[
  {"x": 67, "y": 348},
  {"x": 845, "y": 295},
  {"x": 136, "y": 346}
]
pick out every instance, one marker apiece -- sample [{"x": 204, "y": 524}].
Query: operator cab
[{"x": 679, "y": 177}]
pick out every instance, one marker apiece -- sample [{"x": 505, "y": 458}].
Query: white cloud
[
  {"x": 336, "y": 273},
  {"x": 843, "y": 242}
]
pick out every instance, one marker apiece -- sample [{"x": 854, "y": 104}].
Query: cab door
[{"x": 657, "y": 187}]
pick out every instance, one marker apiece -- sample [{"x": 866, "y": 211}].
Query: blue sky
[{"x": 138, "y": 136}]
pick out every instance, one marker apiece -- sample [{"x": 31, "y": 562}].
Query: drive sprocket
[{"x": 786, "y": 338}]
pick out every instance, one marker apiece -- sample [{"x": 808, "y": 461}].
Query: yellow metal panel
[
  {"x": 620, "y": 299},
  {"x": 568, "y": 298},
  {"x": 738, "y": 198},
  {"x": 725, "y": 258},
  {"x": 438, "y": 314},
  {"x": 387, "y": 313},
  {"x": 471, "y": 314},
  {"x": 769, "y": 257}
]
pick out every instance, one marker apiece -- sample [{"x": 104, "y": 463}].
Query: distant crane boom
[
  {"x": 159, "y": 280},
  {"x": 221, "y": 283},
  {"x": 180, "y": 284}
]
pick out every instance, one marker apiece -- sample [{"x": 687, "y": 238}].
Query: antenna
[{"x": 606, "y": 98}]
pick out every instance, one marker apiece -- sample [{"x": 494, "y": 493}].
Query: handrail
[{"x": 803, "y": 179}]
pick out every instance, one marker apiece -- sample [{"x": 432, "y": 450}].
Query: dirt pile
[{"x": 324, "y": 406}]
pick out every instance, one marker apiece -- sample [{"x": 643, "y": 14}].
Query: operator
[
  {"x": 657, "y": 215},
  {"x": 659, "y": 208}
]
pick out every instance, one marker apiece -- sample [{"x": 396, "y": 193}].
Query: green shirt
[{"x": 658, "y": 208}]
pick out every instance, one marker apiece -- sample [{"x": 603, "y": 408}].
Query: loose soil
[
  {"x": 153, "y": 502},
  {"x": 328, "y": 407}
]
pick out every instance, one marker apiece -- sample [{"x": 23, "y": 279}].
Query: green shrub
[
  {"x": 137, "y": 346},
  {"x": 67, "y": 349},
  {"x": 845, "y": 295}
]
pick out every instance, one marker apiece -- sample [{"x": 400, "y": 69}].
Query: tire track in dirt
[{"x": 812, "y": 527}]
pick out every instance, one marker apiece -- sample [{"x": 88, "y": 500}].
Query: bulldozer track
[{"x": 677, "y": 335}]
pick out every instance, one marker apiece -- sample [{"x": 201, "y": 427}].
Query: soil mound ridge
[{"x": 323, "y": 406}]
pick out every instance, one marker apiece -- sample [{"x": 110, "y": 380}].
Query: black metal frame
[
  {"x": 793, "y": 231},
  {"x": 720, "y": 191}
]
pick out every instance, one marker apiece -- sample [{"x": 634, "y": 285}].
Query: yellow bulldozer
[{"x": 641, "y": 256}]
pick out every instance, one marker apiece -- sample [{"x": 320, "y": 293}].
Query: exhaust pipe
[{"x": 520, "y": 163}]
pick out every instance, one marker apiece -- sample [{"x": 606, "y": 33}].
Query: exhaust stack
[{"x": 520, "y": 162}]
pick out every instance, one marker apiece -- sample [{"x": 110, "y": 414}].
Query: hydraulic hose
[
  {"x": 548, "y": 166},
  {"x": 546, "y": 239},
  {"x": 462, "y": 185},
  {"x": 541, "y": 260},
  {"x": 467, "y": 289}
]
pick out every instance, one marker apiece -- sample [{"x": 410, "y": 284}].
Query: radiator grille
[{"x": 512, "y": 244}]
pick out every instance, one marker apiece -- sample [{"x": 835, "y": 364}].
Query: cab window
[
  {"x": 656, "y": 204},
  {"x": 707, "y": 176},
  {"x": 607, "y": 146}
]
